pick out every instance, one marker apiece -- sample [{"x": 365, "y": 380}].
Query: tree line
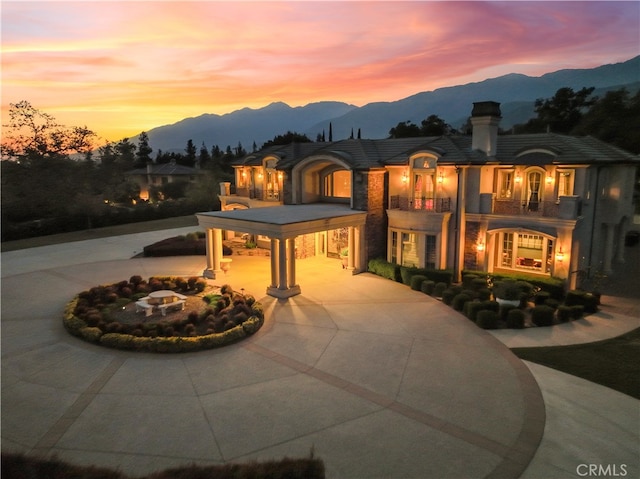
[{"x": 54, "y": 178}]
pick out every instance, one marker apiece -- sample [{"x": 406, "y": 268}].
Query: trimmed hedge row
[
  {"x": 554, "y": 286},
  {"x": 404, "y": 274}
]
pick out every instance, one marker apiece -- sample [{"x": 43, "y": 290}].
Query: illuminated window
[
  {"x": 525, "y": 251},
  {"x": 505, "y": 184},
  {"x": 338, "y": 184},
  {"x": 565, "y": 183}
]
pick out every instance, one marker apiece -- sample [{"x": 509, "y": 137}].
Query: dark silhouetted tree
[
  {"x": 143, "y": 153},
  {"x": 405, "y": 129}
]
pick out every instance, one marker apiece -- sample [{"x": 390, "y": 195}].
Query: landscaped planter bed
[
  {"x": 212, "y": 316},
  {"x": 496, "y": 301}
]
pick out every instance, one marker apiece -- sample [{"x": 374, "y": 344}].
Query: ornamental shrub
[
  {"x": 552, "y": 303},
  {"x": 416, "y": 281},
  {"x": 577, "y": 311},
  {"x": 427, "y": 286},
  {"x": 484, "y": 294},
  {"x": 542, "y": 315},
  {"x": 504, "y": 311},
  {"x": 541, "y": 297},
  {"x": 439, "y": 289},
  {"x": 487, "y": 319},
  {"x": 383, "y": 268},
  {"x": 459, "y": 300},
  {"x": 478, "y": 283},
  {"x": 491, "y": 306},
  {"x": 472, "y": 308},
  {"x": 448, "y": 295},
  {"x": 515, "y": 318},
  {"x": 564, "y": 313},
  {"x": 467, "y": 280},
  {"x": 575, "y": 297}
]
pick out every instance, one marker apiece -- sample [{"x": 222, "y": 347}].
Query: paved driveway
[{"x": 379, "y": 380}]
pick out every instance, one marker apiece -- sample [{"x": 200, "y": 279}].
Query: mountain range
[{"x": 516, "y": 93}]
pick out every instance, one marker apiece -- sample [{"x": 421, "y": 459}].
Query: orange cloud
[{"x": 124, "y": 67}]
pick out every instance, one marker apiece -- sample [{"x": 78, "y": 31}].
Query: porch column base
[
  {"x": 211, "y": 273},
  {"x": 284, "y": 293}
]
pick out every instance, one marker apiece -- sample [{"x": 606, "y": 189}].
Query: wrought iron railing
[
  {"x": 531, "y": 208},
  {"x": 434, "y": 205}
]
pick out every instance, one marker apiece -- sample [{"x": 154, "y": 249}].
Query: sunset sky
[{"x": 125, "y": 67}]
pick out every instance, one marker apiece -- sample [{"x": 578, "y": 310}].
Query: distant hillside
[
  {"x": 244, "y": 126},
  {"x": 516, "y": 93}
]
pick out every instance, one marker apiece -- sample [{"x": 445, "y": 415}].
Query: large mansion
[{"x": 542, "y": 204}]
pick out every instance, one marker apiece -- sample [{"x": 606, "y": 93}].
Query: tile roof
[
  {"x": 512, "y": 149},
  {"x": 166, "y": 169}
]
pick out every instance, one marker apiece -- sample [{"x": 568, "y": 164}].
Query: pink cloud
[{"x": 179, "y": 58}]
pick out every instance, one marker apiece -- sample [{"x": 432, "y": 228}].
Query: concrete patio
[{"x": 380, "y": 381}]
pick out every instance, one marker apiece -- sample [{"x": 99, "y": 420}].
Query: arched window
[
  {"x": 424, "y": 183},
  {"x": 534, "y": 188}
]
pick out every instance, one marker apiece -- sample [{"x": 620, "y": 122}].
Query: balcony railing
[
  {"x": 257, "y": 193},
  {"x": 433, "y": 205},
  {"x": 530, "y": 208}
]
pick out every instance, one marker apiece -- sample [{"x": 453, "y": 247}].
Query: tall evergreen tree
[
  {"x": 143, "y": 153},
  {"x": 190, "y": 156}
]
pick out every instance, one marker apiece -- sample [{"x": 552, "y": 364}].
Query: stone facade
[
  {"x": 472, "y": 232},
  {"x": 372, "y": 192}
]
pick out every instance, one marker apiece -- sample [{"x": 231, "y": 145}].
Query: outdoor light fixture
[
  {"x": 480, "y": 247},
  {"x": 405, "y": 178},
  {"x": 280, "y": 175},
  {"x": 518, "y": 178},
  {"x": 441, "y": 177},
  {"x": 549, "y": 179},
  {"x": 260, "y": 175},
  {"x": 560, "y": 255}
]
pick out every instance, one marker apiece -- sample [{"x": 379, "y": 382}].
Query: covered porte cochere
[{"x": 282, "y": 224}]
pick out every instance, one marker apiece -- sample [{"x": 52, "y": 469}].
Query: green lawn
[{"x": 614, "y": 363}]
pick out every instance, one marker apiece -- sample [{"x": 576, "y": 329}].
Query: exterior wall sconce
[
  {"x": 549, "y": 179},
  {"x": 405, "y": 178},
  {"x": 518, "y": 178},
  {"x": 441, "y": 177},
  {"x": 280, "y": 175},
  {"x": 560, "y": 256},
  {"x": 480, "y": 247},
  {"x": 244, "y": 174},
  {"x": 260, "y": 175}
]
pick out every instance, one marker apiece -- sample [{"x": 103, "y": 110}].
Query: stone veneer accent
[
  {"x": 369, "y": 194},
  {"x": 305, "y": 246},
  {"x": 470, "y": 253}
]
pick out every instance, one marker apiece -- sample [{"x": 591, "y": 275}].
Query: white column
[
  {"x": 274, "y": 263},
  {"x": 282, "y": 265},
  {"x": 351, "y": 245},
  {"x": 208, "y": 271},
  {"x": 217, "y": 250},
  {"x": 291, "y": 262}
]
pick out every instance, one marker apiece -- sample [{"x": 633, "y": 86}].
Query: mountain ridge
[{"x": 453, "y": 104}]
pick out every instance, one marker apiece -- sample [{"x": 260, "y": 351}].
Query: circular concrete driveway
[{"x": 379, "y": 380}]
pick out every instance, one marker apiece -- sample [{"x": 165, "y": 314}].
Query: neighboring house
[
  {"x": 542, "y": 204},
  {"x": 158, "y": 175}
]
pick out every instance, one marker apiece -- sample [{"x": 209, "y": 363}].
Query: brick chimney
[{"x": 485, "y": 118}]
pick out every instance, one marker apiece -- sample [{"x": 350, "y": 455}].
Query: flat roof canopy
[{"x": 284, "y": 221}]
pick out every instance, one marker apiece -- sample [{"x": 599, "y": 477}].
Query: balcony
[
  {"x": 566, "y": 207},
  {"x": 257, "y": 194},
  {"x": 530, "y": 208},
  {"x": 433, "y": 205}
]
